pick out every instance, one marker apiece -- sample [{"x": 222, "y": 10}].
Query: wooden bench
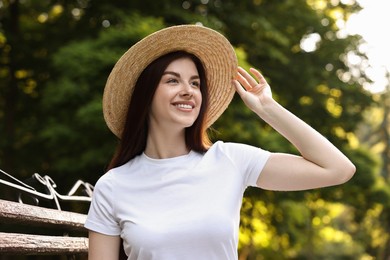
[
  {"x": 65, "y": 223},
  {"x": 29, "y": 229}
]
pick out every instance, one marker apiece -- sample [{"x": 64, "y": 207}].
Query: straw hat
[{"x": 212, "y": 48}]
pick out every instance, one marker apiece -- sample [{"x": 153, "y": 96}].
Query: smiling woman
[{"x": 169, "y": 193}]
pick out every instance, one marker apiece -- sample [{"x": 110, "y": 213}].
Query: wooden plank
[
  {"x": 13, "y": 212},
  {"x": 22, "y": 244}
]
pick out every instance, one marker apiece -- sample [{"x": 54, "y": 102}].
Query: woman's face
[{"x": 178, "y": 98}]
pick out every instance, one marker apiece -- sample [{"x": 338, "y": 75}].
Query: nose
[{"x": 187, "y": 91}]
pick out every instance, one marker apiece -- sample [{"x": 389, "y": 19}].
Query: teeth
[{"x": 184, "y": 106}]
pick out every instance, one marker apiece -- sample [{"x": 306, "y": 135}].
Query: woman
[{"x": 170, "y": 193}]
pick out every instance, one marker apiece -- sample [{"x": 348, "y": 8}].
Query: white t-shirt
[{"x": 187, "y": 207}]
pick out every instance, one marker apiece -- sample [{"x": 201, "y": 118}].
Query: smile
[{"x": 185, "y": 106}]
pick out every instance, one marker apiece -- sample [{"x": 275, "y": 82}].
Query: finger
[
  {"x": 258, "y": 75},
  {"x": 240, "y": 90},
  {"x": 252, "y": 82},
  {"x": 243, "y": 81}
]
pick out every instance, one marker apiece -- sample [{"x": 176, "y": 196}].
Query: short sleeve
[
  {"x": 101, "y": 215},
  {"x": 249, "y": 160}
]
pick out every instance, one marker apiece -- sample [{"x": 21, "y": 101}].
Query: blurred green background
[{"x": 55, "y": 57}]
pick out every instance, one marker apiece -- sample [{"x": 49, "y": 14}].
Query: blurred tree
[{"x": 374, "y": 132}]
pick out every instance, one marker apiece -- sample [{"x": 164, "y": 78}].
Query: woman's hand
[{"x": 255, "y": 92}]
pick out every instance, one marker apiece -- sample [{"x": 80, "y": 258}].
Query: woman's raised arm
[{"x": 321, "y": 164}]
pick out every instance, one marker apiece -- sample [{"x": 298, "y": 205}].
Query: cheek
[
  {"x": 157, "y": 102},
  {"x": 160, "y": 96},
  {"x": 199, "y": 97}
]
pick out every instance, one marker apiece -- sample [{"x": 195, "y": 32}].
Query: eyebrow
[{"x": 178, "y": 74}]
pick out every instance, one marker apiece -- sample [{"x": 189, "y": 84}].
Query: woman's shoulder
[
  {"x": 105, "y": 180},
  {"x": 111, "y": 175},
  {"x": 121, "y": 173},
  {"x": 221, "y": 144},
  {"x": 222, "y": 148},
  {"x": 234, "y": 149},
  {"x": 228, "y": 146}
]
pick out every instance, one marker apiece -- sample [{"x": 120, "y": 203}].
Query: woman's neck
[{"x": 166, "y": 144}]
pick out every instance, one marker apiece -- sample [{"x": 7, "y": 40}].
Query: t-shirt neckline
[{"x": 176, "y": 159}]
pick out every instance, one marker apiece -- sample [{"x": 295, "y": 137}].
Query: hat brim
[{"x": 212, "y": 48}]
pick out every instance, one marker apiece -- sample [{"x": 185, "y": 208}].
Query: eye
[
  {"x": 195, "y": 83},
  {"x": 172, "y": 80}
]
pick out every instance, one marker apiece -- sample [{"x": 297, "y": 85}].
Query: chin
[{"x": 188, "y": 125}]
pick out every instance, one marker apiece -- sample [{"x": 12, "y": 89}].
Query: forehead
[{"x": 182, "y": 64}]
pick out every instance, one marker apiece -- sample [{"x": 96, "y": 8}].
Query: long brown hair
[{"x": 135, "y": 132}]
